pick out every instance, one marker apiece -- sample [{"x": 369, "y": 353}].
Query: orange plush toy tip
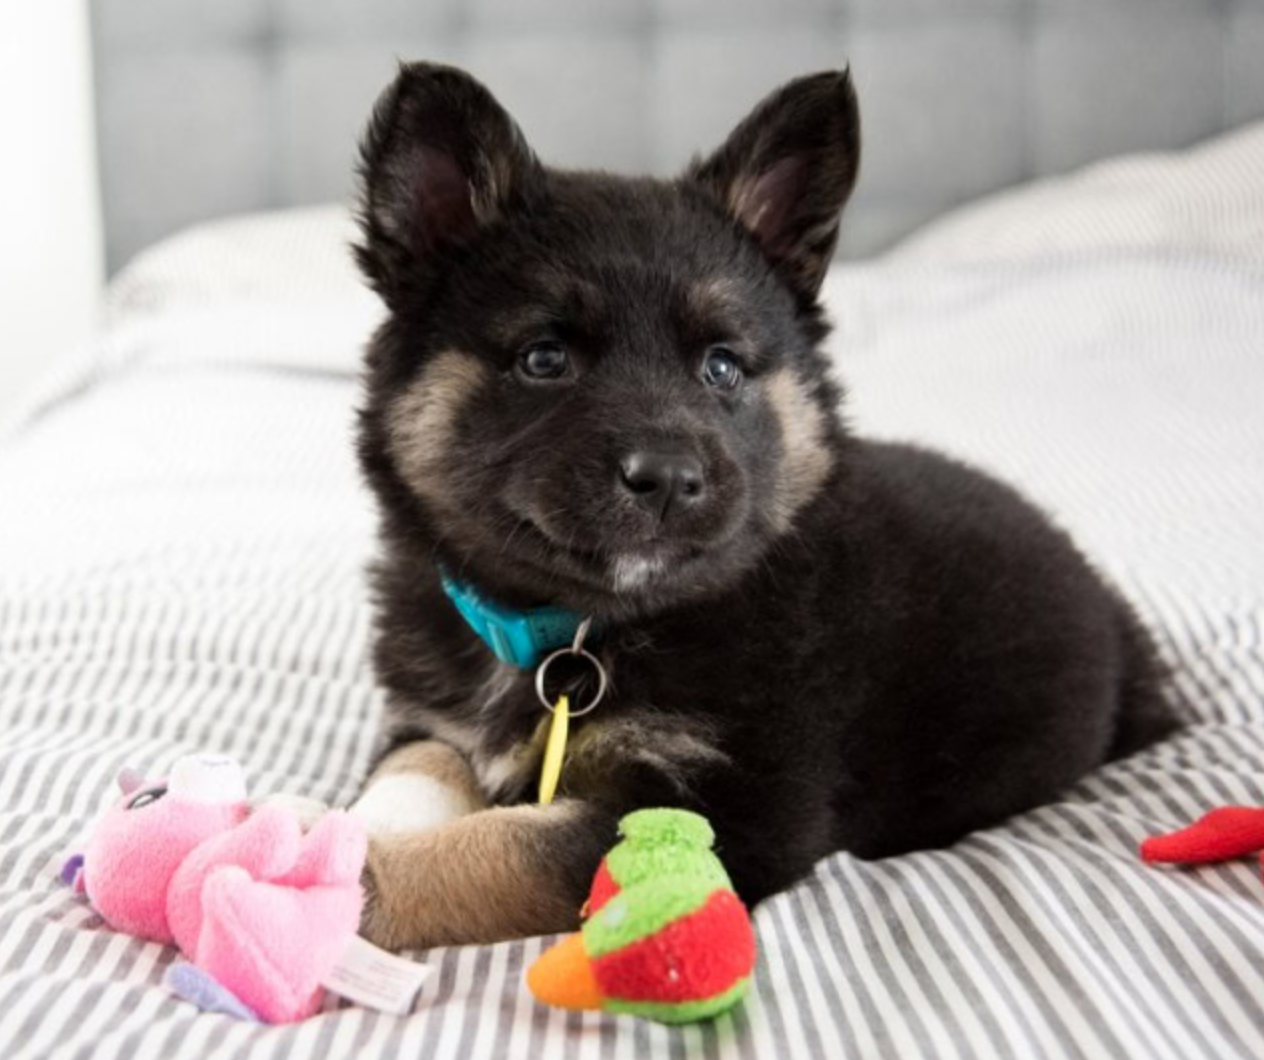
[
  {"x": 563, "y": 976},
  {"x": 665, "y": 935}
]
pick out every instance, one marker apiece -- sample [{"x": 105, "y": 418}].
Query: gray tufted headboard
[{"x": 206, "y": 108}]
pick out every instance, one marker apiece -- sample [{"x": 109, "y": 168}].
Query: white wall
[{"x": 50, "y": 224}]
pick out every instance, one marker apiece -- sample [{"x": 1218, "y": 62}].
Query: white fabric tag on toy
[{"x": 376, "y": 979}]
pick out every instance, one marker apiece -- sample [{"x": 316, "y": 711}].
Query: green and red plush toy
[{"x": 664, "y": 934}]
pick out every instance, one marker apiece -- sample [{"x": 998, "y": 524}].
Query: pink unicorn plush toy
[{"x": 261, "y": 909}]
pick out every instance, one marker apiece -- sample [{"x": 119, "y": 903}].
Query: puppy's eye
[
  {"x": 720, "y": 368},
  {"x": 544, "y": 360},
  {"x": 144, "y": 798}
]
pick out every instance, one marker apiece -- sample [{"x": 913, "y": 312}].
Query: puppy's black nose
[{"x": 660, "y": 480}]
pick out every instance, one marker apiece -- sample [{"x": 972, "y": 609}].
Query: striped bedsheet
[{"x": 182, "y": 539}]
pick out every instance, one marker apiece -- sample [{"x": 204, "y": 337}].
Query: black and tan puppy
[{"x": 607, "y": 395}]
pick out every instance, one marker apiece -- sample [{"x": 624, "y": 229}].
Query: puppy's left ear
[
  {"x": 441, "y": 161},
  {"x": 787, "y": 170}
]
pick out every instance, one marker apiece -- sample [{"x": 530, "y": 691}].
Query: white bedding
[{"x": 181, "y": 547}]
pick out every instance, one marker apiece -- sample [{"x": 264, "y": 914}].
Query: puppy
[{"x": 607, "y": 396}]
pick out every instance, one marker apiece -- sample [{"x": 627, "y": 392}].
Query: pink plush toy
[{"x": 262, "y": 910}]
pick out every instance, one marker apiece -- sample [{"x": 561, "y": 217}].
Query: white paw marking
[{"x": 409, "y": 802}]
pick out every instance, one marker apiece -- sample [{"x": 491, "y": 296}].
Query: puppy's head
[{"x": 592, "y": 391}]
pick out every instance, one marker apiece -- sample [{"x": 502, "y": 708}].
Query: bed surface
[{"x": 181, "y": 554}]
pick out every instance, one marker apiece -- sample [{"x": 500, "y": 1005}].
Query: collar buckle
[{"x": 519, "y": 638}]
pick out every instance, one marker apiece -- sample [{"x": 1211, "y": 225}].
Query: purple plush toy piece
[{"x": 261, "y": 909}]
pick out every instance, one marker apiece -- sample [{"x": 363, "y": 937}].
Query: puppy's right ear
[
  {"x": 786, "y": 171},
  {"x": 440, "y": 160}
]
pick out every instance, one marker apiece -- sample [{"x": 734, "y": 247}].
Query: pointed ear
[
  {"x": 440, "y": 159},
  {"x": 785, "y": 172}
]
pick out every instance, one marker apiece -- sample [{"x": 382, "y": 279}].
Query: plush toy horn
[{"x": 129, "y": 780}]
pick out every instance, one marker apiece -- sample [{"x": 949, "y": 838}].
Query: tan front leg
[
  {"x": 501, "y": 873},
  {"x": 444, "y": 868}
]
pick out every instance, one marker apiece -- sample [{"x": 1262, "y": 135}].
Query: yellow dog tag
[{"x": 555, "y": 750}]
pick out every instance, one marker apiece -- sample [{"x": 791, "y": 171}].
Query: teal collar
[{"x": 519, "y": 638}]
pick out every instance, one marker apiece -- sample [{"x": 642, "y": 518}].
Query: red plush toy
[{"x": 1229, "y": 832}]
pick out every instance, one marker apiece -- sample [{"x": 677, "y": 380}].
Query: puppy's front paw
[{"x": 307, "y": 810}]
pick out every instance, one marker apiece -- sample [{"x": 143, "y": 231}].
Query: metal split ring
[{"x": 576, "y": 649}]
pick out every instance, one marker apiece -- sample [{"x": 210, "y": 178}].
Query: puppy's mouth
[
  {"x": 554, "y": 546},
  {"x": 624, "y": 568}
]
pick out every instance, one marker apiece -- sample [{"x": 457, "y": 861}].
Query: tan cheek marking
[
  {"x": 805, "y": 460},
  {"x": 421, "y": 421},
  {"x": 483, "y": 878}
]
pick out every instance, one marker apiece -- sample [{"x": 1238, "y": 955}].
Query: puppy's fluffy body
[{"x": 820, "y": 642}]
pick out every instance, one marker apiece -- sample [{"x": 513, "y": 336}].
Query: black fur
[{"x": 898, "y": 653}]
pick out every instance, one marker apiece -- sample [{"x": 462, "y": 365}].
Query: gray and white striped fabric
[{"x": 181, "y": 548}]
